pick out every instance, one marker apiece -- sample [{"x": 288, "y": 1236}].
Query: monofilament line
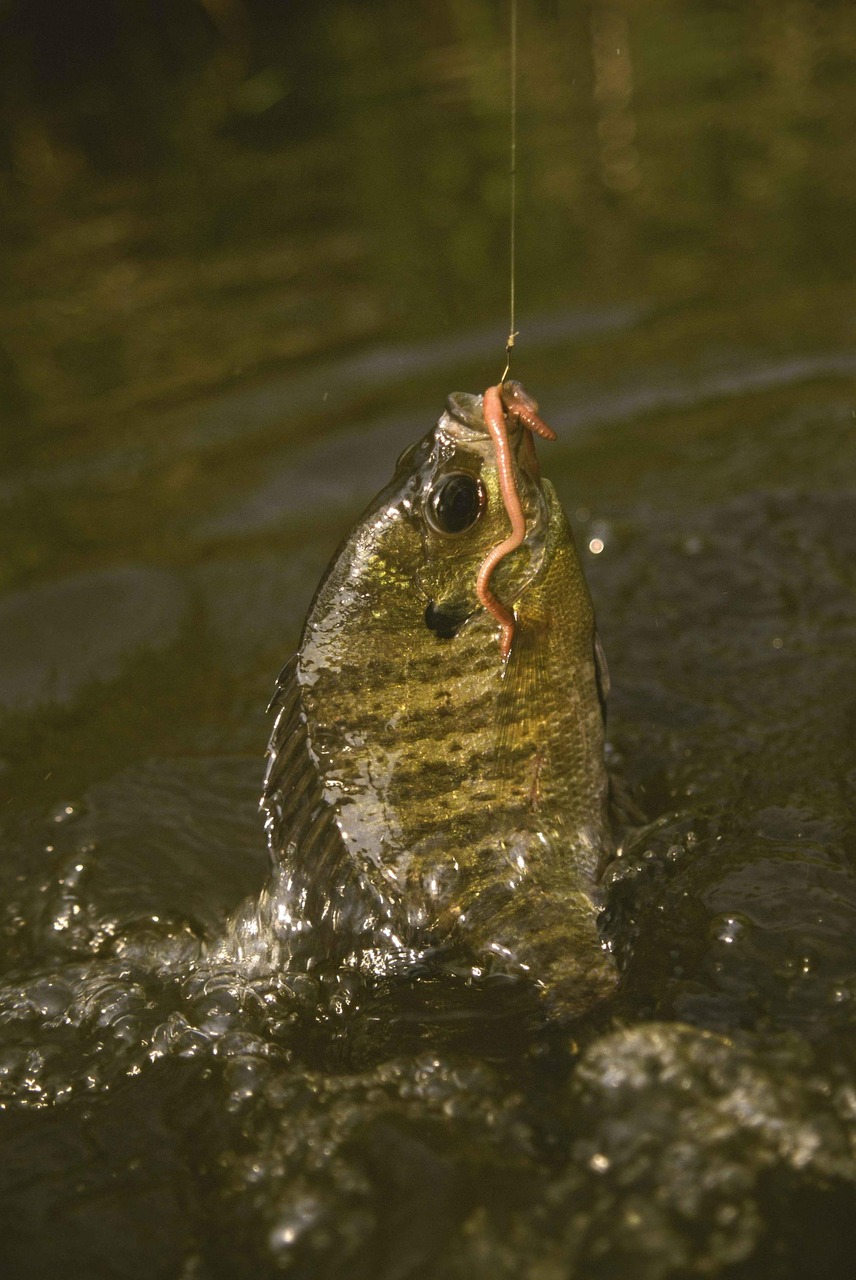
[{"x": 509, "y": 345}]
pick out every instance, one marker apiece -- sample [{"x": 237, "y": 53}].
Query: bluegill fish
[{"x": 435, "y": 785}]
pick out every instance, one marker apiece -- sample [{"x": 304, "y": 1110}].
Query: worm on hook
[{"x": 512, "y": 397}]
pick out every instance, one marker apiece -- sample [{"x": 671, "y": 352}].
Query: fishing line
[{"x": 509, "y": 344}]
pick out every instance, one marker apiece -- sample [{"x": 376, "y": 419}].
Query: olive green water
[{"x": 247, "y": 249}]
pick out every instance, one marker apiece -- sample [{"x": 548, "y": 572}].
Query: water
[{"x": 247, "y": 252}]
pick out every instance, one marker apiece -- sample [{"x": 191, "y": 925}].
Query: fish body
[{"x": 425, "y": 795}]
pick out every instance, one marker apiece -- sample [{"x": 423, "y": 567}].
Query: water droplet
[
  {"x": 64, "y": 813},
  {"x": 728, "y": 928},
  {"x": 294, "y": 1222}
]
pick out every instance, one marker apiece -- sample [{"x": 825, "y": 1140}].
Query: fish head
[
  {"x": 462, "y": 516},
  {"x": 418, "y": 549}
]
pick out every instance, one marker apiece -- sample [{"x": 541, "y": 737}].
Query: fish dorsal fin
[
  {"x": 289, "y": 767},
  {"x": 601, "y": 670},
  {"x": 326, "y": 901}
]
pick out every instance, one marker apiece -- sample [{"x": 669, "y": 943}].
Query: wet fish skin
[{"x": 422, "y": 794}]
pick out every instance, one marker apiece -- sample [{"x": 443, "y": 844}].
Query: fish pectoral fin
[{"x": 601, "y": 671}]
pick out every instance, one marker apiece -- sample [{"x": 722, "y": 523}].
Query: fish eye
[{"x": 455, "y": 504}]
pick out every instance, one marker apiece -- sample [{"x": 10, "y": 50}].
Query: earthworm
[{"x": 508, "y": 395}]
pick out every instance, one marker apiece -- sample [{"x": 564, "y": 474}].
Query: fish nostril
[{"x": 445, "y": 623}]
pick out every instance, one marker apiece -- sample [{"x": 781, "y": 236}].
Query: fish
[{"x": 435, "y": 793}]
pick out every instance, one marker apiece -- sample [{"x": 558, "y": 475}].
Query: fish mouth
[
  {"x": 467, "y": 409},
  {"x": 447, "y": 620}
]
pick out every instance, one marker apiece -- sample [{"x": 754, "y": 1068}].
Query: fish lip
[
  {"x": 467, "y": 409},
  {"x": 445, "y": 623}
]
